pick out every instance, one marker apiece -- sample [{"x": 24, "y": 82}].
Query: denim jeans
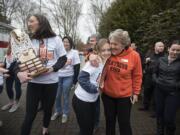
[{"x": 64, "y": 87}]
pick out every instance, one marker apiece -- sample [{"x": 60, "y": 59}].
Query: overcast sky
[{"x": 85, "y": 26}]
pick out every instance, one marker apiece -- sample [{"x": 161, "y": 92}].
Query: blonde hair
[
  {"x": 100, "y": 44},
  {"x": 121, "y": 36}
]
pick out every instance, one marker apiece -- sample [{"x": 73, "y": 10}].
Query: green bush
[{"x": 147, "y": 21}]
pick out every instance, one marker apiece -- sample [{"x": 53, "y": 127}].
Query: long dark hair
[
  {"x": 44, "y": 30},
  {"x": 70, "y": 41},
  {"x": 174, "y": 42}
]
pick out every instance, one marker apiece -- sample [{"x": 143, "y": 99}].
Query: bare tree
[
  {"x": 65, "y": 14},
  {"x": 25, "y": 8},
  {"x": 9, "y": 8},
  {"x": 98, "y": 7}
]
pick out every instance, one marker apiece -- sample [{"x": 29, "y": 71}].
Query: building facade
[{"x": 4, "y": 38}]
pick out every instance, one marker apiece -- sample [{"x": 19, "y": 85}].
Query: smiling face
[
  {"x": 67, "y": 45},
  {"x": 105, "y": 51},
  {"x": 116, "y": 47},
  {"x": 174, "y": 51},
  {"x": 33, "y": 24}
]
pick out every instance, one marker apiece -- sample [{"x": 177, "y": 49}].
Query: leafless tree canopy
[
  {"x": 65, "y": 14},
  {"x": 9, "y": 8},
  {"x": 98, "y": 7},
  {"x": 25, "y": 9}
]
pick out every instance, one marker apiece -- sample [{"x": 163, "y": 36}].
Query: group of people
[
  {"x": 112, "y": 72},
  {"x": 161, "y": 89}
]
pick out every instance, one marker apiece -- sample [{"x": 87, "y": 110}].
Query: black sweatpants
[
  {"x": 85, "y": 114},
  {"x": 167, "y": 104},
  {"x": 148, "y": 92},
  {"x": 36, "y": 93},
  {"x": 119, "y": 108}
]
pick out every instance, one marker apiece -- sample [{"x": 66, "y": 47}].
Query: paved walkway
[{"x": 141, "y": 122}]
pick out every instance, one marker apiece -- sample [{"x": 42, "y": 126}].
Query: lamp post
[{"x": 40, "y": 6}]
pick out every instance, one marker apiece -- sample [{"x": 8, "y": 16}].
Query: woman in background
[
  {"x": 12, "y": 79},
  {"x": 67, "y": 77},
  {"x": 167, "y": 93}
]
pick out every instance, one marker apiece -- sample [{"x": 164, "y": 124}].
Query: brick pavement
[{"x": 141, "y": 122}]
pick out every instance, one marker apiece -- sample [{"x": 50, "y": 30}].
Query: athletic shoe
[
  {"x": 64, "y": 118},
  {"x": 7, "y": 106},
  {"x": 14, "y": 107},
  {"x": 55, "y": 116}
]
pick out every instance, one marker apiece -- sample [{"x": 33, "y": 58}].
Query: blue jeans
[{"x": 64, "y": 87}]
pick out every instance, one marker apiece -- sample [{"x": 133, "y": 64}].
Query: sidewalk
[{"x": 141, "y": 122}]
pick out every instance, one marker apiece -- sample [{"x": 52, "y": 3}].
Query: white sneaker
[
  {"x": 55, "y": 116},
  {"x": 1, "y": 123},
  {"x": 14, "y": 107},
  {"x": 7, "y": 106},
  {"x": 64, "y": 118}
]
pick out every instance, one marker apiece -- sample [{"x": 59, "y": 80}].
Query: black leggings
[
  {"x": 36, "y": 93},
  {"x": 167, "y": 106},
  {"x": 85, "y": 114},
  {"x": 9, "y": 87},
  {"x": 117, "y": 108}
]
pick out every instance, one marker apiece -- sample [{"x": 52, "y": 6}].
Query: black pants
[
  {"x": 85, "y": 114},
  {"x": 1, "y": 88},
  {"x": 167, "y": 104},
  {"x": 148, "y": 92},
  {"x": 97, "y": 116},
  {"x": 35, "y": 93},
  {"x": 9, "y": 87},
  {"x": 119, "y": 108}
]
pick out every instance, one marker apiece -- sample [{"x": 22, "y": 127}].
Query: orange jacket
[{"x": 122, "y": 74}]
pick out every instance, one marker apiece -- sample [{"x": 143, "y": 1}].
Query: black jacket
[
  {"x": 153, "y": 60},
  {"x": 167, "y": 76}
]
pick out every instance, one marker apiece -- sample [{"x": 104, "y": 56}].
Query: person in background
[
  {"x": 67, "y": 77},
  {"x": 135, "y": 47},
  {"x": 166, "y": 76},
  {"x": 44, "y": 87},
  {"x": 150, "y": 61},
  {"x": 4, "y": 72},
  {"x": 120, "y": 83},
  {"x": 86, "y": 94},
  {"x": 9, "y": 63},
  {"x": 92, "y": 42}
]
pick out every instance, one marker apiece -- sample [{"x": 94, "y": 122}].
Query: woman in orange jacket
[{"x": 120, "y": 83}]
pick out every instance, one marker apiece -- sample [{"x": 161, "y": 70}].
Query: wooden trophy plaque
[{"x": 25, "y": 53}]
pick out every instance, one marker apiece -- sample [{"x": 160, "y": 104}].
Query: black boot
[
  {"x": 170, "y": 131},
  {"x": 160, "y": 128}
]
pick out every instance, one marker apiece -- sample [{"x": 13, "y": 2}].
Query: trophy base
[
  {"x": 34, "y": 67},
  {"x": 35, "y": 74}
]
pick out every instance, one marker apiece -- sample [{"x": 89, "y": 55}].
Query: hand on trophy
[
  {"x": 24, "y": 77},
  {"x": 25, "y": 53},
  {"x": 3, "y": 70},
  {"x": 49, "y": 70}
]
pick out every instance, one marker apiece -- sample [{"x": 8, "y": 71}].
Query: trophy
[{"x": 25, "y": 53}]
